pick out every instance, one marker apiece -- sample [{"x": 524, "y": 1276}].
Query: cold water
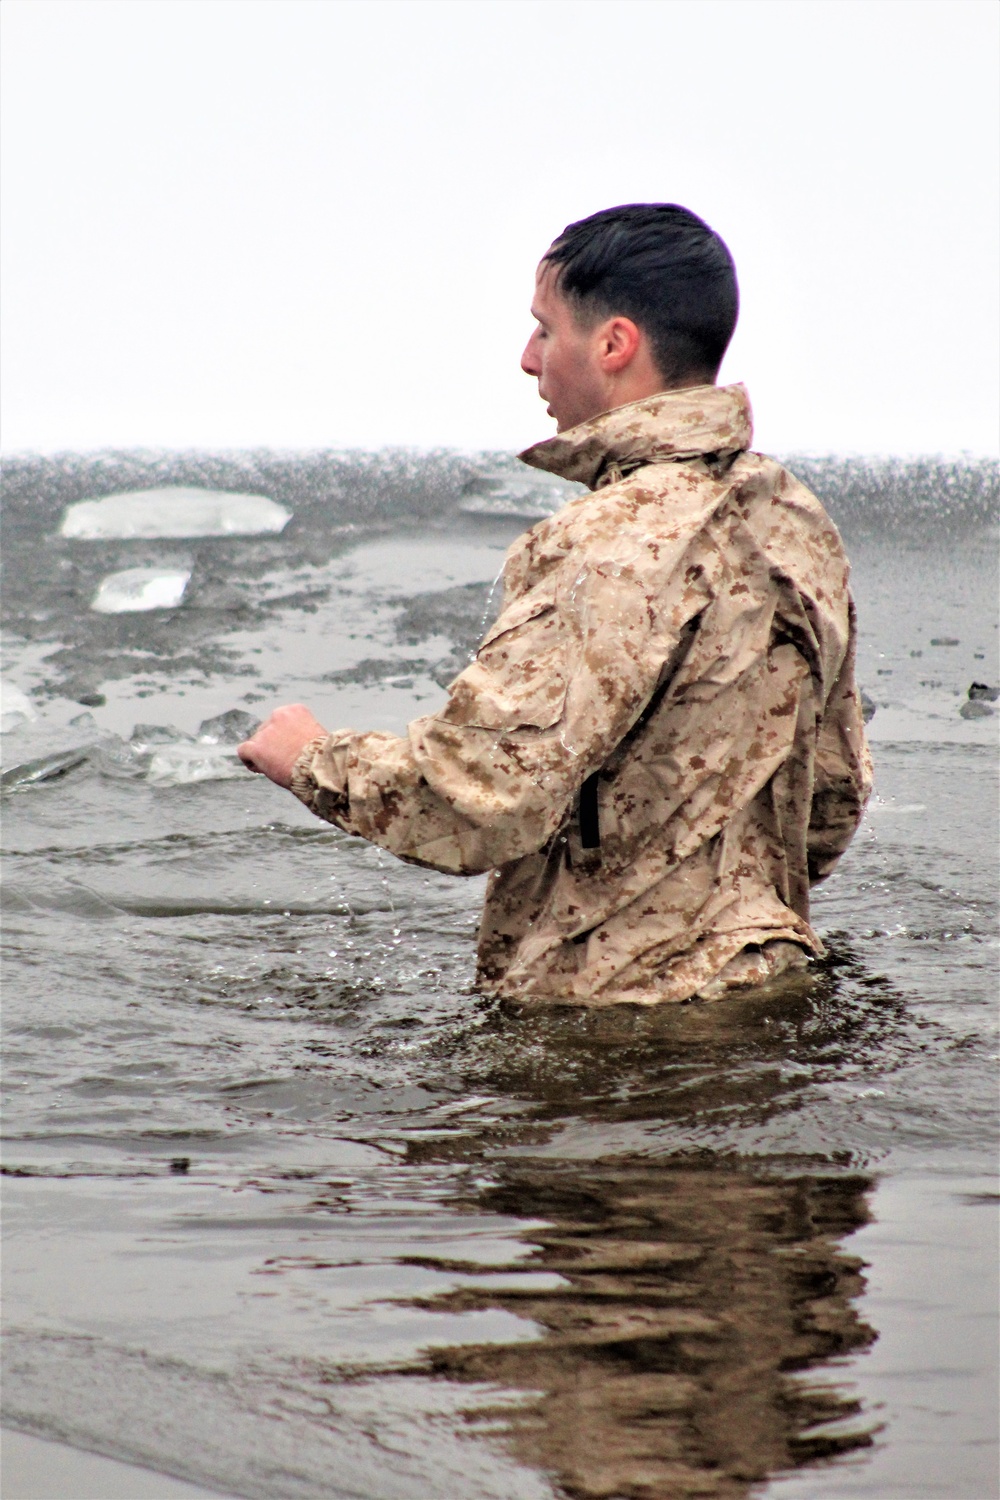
[{"x": 292, "y": 1212}]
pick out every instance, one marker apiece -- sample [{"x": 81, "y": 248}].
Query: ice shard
[
  {"x": 175, "y": 511},
  {"x": 138, "y": 589}
]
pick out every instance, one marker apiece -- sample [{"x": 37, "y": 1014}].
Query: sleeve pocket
[{"x": 519, "y": 677}]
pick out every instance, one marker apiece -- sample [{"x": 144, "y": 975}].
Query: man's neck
[{"x": 624, "y": 390}]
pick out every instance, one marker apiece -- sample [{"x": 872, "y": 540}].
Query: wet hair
[{"x": 664, "y": 268}]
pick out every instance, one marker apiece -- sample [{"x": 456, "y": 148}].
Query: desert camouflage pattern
[{"x": 658, "y": 747}]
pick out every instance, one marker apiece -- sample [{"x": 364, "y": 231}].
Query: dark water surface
[{"x": 292, "y": 1212}]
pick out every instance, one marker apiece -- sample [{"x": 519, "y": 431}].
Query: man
[{"x": 659, "y": 743}]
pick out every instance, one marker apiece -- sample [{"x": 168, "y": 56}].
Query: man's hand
[{"x": 279, "y": 742}]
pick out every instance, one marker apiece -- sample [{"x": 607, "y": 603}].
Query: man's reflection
[{"x": 693, "y": 1295}]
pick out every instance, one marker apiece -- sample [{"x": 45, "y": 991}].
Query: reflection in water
[{"x": 690, "y": 1296}]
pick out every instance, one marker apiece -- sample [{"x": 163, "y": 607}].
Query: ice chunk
[
  {"x": 15, "y": 707},
  {"x": 160, "y": 734},
  {"x": 45, "y": 768},
  {"x": 139, "y": 588},
  {"x": 47, "y": 750},
  {"x": 175, "y": 511},
  {"x": 230, "y": 728},
  {"x": 179, "y": 765},
  {"x": 164, "y": 757},
  {"x": 119, "y": 760},
  {"x": 49, "y": 746}
]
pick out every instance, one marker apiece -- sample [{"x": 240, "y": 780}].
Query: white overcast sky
[{"x": 236, "y": 223}]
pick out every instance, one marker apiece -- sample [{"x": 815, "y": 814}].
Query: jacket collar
[{"x": 669, "y": 426}]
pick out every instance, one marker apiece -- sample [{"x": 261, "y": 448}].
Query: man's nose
[{"x": 530, "y": 363}]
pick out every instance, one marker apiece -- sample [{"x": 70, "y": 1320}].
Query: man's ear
[{"x": 619, "y": 341}]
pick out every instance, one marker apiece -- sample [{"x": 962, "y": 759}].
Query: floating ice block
[
  {"x": 180, "y": 765},
  {"x": 176, "y": 511},
  {"x": 139, "y": 588},
  {"x": 15, "y": 707}
]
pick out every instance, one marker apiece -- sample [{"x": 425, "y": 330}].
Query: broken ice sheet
[
  {"x": 138, "y": 589},
  {"x": 526, "y": 496},
  {"x": 399, "y": 566},
  {"x": 174, "y": 511}
]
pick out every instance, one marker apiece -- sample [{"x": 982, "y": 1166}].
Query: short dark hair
[{"x": 664, "y": 268}]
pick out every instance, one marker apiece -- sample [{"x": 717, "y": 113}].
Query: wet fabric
[{"x": 659, "y": 745}]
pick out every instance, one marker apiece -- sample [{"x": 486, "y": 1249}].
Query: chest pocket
[{"x": 519, "y": 677}]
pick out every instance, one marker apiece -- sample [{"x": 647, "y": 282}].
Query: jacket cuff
[{"x": 303, "y": 782}]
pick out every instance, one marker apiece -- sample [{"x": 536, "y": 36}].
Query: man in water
[{"x": 658, "y": 746}]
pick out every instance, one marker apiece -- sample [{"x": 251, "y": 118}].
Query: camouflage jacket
[{"x": 658, "y": 746}]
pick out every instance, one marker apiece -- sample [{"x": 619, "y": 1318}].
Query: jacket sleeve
[
  {"x": 558, "y": 681},
  {"x": 843, "y": 771}
]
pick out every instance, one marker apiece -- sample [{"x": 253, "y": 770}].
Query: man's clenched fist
[{"x": 279, "y": 742}]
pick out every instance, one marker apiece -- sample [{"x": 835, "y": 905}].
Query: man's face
[{"x": 563, "y": 355}]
